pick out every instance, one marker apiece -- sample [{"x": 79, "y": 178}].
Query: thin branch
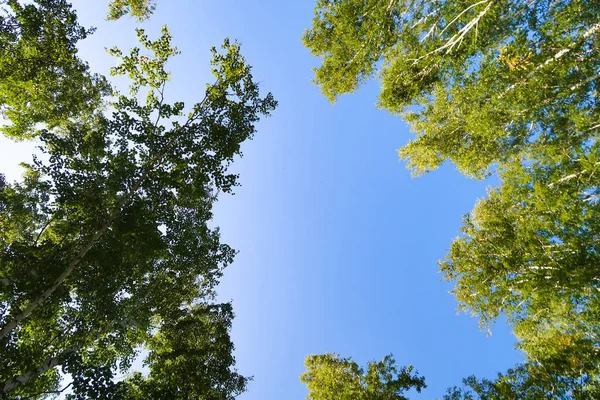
[
  {"x": 585, "y": 82},
  {"x": 42, "y": 231},
  {"x": 593, "y": 29},
  {"x": 459, "y": 36},
  {"x": 459, "y": 15},
  {"x": 52, "y": 392}
]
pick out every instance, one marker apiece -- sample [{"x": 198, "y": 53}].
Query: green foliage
[
  {"x": 526, "y": 382},
  {"x": 480, "y": 82},
  {"x": 499, "y": 86},
  {"x": 105, "y": 246},
  {"x": 329, "y": 377},
  {"x": 42, "y": 81},
  {"x": 195, "y": 345},
  {"x": 351, "y": 37},
  {"x": 140, "y": 9},
  {"x": 531, "y": 250}
]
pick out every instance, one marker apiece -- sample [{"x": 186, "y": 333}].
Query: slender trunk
[
  {"x": 14, "y": 322},
  {"x": 52, "y": 362},
  {"x": 55, "y": 361},
  {"x": 8, "y": 327}
]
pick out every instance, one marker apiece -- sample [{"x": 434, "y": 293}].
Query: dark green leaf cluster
[
  {"x": 203, "y": 353},
  {"x": 106, "y": 245}
]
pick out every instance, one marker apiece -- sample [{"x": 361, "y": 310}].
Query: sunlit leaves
[
  {"x": 331, "y": 377},
  {"x": 506, "y": 87},
  {"x": 42, "y": 81},
  {"x": 139, "y": 9},
  {"x": 479, "y": 82}
]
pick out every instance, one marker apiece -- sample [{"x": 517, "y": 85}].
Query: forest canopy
[
  {"x": 106, "y": 244},
  {"x": 508, "y": 88},
  {"x": 109, "y": 252}
]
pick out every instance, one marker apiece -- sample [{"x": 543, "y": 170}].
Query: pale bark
[
  {"x": 592, "y": 30},
  {"x": 459, "y": 36},
  {"x": 51, "y": 362},
  {"x": 55, "y": 361},
  {"x": 12, "y": 324}
]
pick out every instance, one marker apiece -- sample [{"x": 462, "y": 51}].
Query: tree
[
  {"x": 525, "y": 382},
  {"x": 330, "y": 377},
  {"x": 107, "y": 240},
  {"x": 480, "y": 82},
  {"x": 190, "y": 358},
  {"x": 507, "y": 87},
  {"x": 42, "y": 81},
  {"x": 140, "y": 9},
  {"x": 531, "y": 250}
]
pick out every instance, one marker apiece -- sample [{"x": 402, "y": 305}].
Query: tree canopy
[
  {"x": 530, "y": 250},
  {"x": 527, "y": 382},
  {"x": 330, "y": 377},
  {"x": 106, "y": 247},
  {"x": 190, "y": 357},
  {"x": 480, "y": 83},
  {"x": 139, "y": 9},
  {"x": 506, "y": 87}
]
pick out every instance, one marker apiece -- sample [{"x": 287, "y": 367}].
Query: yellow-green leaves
[
  {"x": 482, "y": 81},
  {"x": 331, "y": 377},
  {"x": 146, "y": 70},
  {"x": 350, "y": 37},
  {"x": 527, "y": 382},
  {"x": 530, "y": 250},
  {"x": 506, "y": 87},
  {"x": 42, "y": 81},
  {"x": 139, "y": 9}
]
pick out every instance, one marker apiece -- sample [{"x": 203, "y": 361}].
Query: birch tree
[
  {"x": 479, "y": 82},
  {"x": 42, "y": 80},
  {"x": 526, "y": 382},
  {"x": 107, "y": 240},
  {"x": 503, "y": 87},
  {"x": 531, "y": 250}
]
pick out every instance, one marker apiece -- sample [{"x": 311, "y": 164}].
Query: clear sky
[{"x": 338, "y": 244}]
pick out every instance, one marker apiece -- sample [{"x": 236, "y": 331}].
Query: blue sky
[{"x": 338, "y": 244}]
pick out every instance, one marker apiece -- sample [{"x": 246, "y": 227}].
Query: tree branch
[{"x": 593, "y": 29}]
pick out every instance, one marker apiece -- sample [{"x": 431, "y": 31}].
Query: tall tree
[
  {"x": 501, "y": 86},
  {"x": 191, "y": 357},
  {"x": 480, "y": 82},
  {"x": 42, "y": 81},
  {"x": 107, "y": 240},
  {"x": 531, "y": 250},
  {"x": 330, "y": 377}
]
